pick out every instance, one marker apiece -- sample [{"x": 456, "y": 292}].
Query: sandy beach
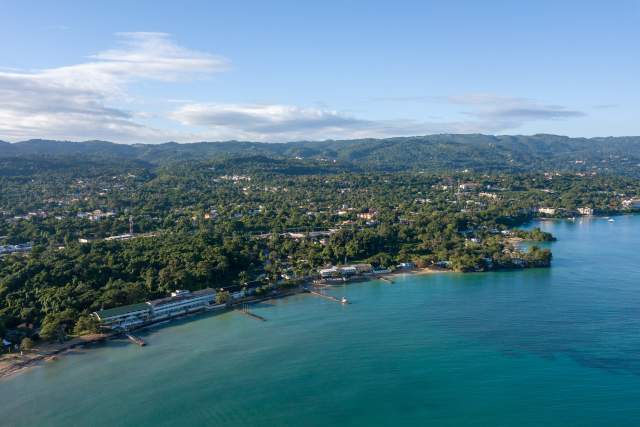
[{"x": 14, "y": 363}]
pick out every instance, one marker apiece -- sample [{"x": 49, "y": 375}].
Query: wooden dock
[
  {"x": 136, "y": 339},
  {"x": 329, "y": 297},
  {"x": 386, "y": 279},
  {"x": 245, "y": 310}
]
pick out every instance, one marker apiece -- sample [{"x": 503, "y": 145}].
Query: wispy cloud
[
  {"x": 85, "y": 101},
  {"x": 267, "y": 122},
  {"x": 490, "y": 113},
  {"x": 274, "y": 123},
  {"x": 73, "y": 101}
]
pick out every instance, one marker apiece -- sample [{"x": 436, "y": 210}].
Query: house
[
  {"x": 363, "y": 268},
  {"x": 348, "y": 271},
  {"x": 631, "y": 203},
  {"x": 330, "y": 272},
  {"x": 546, "y": 211},
  {"x": 488, "y": 195},
  {"x": 468, "y": 186},
  {"x": 407, "y": 265},
  {"x": 367, "y": 215},
  {"x": 585, "y": 211},
  {"x": 125, "y": 236}
]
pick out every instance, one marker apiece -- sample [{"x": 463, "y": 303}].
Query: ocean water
[{"x": 548, "y": 347}]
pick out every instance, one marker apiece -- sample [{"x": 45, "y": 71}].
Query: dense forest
[{"x": 214, "y": 214}]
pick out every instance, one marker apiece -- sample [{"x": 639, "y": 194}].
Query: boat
[
  {"x": 344, "y": 300},
  {"x": 611, "y": 220}
]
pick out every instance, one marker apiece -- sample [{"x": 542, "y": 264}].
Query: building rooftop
[
  {"x": 119, "y": 311},
  {"x": 182, "y": 297}
]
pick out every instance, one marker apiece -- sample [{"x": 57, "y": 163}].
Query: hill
[{"x": 476, "y": 152}]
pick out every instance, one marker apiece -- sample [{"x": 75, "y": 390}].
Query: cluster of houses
[
  {"x": 345, "y": 272},
  {"x": 584, "y": 211},
  {"x": 29, "y": 215},
  {"x": 21, "y": 247},
  {"x": 95, "y": 215}
]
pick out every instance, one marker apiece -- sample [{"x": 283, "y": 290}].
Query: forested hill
[{"x": 620, "y": 155}]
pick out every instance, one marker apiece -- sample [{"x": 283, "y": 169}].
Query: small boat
[
  {"x": 611, "y": 220},
  {"x": 344, "y": 300}
]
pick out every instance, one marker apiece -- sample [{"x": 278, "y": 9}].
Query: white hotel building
[{"x": 180, "y": 302}]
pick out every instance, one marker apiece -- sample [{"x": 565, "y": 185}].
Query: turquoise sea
[{"x": 548, "y": 347}]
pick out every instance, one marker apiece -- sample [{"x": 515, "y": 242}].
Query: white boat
[
  {"x": 611, "y": 220},
  {"x": 344, "y": 300}
]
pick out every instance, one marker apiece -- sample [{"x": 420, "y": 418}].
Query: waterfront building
[
  {"x": 547, "y": 211},
  {"x": 181, "y": 302},
  {"x": 585, "y": 211},
  {"x": 124, "y": 317},
  {"x": 406, "y": 265},
  {"x": 348, "y": 270},
  {"x": 326, "y": 273},
  {"x": 363, "y": 268}
]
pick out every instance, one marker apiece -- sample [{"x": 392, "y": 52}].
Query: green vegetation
[
  {"x": 261, "y": 218},
  {"x": 441, "y": 153}
]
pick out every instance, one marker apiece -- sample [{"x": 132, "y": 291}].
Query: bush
[{"x": 26, "y": 343}]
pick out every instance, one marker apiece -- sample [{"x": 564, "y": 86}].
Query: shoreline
[{"x": 13, "y": 364}]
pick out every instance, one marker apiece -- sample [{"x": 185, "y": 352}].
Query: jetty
[
  {"x": 135, "y": 339},
  {"x": 329, "y": 297},
  {"x": 386, "y": 279},
  {"x": 245, "y": 310}
]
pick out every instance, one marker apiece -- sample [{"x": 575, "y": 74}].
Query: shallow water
[{"x": 552, "y": 347}]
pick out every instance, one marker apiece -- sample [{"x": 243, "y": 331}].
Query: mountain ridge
[{"x": 429, "y": 152}]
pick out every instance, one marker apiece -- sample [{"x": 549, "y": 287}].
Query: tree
[
  {"x": 55, "y": 325},
  {"x": 86, "y": 325},
  {"x": 26, "y": 344},
  {"x": 223, "y": 297}
]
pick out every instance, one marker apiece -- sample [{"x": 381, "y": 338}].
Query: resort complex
[{"x": 180, "y": 302}]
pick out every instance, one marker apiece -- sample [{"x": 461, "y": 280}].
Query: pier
[
  {"x": 329, "y": 297},
  {"x": 135, "y": 339},
  {"x": 245, "y": 310}
]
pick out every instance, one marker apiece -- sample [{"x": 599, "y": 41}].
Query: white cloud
[
  {"x": 83, "y": 101},
  {"x": 490, "y": 113},
  {"x": 268, "y": 122},
  {"x": 72, "y": 102}
]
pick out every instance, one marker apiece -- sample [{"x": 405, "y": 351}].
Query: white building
[
  {"x": 329, "y": 272},
  {"x": 547, "y": 211},
  {"x": 124, "y": 317},
  {"x": 585, "y": 211},
  {"x": 181, "y": 302}
]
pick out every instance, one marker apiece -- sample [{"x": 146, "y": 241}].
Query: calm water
[{"x": 553, "y": 347}]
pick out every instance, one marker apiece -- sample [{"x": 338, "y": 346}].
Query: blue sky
[{"x": 147, "y": 71}]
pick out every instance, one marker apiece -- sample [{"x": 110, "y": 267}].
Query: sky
[{"x": 274, "y": 71}]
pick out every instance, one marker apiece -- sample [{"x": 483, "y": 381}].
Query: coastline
[{"x": 15, "y": 363}]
